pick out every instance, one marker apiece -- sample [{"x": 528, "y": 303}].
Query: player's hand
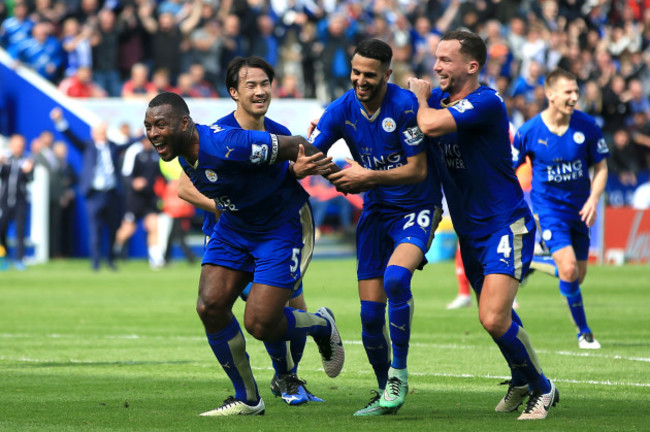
[
  {"x": 353, "y": 179},
  {"x": 315, "y": 164},
  {"x": 589, "y": 212},
  {"x": 421, "y": 88}
]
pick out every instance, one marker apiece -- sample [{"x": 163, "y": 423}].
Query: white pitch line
[
  {"x": 588, "y": 354},
  {"x": 364, "y": 372}
]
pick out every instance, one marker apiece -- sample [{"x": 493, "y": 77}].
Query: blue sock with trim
[
  {"x": 374, "y": 337},
  {"x": 397, "y": 283},
  {"x": 229, "y": 346}
]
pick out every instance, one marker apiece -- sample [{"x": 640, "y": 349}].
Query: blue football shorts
[
  {"x": 508, "y": 251},
  {"x": 278, "y": 257},
  {"x": 559, "y": 233},
  {"x": 381, "y": 229}
]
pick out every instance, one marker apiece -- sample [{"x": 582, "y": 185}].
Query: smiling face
[
  {"x": 253, "y": 92},
  {"x": 563, "y": 96},
  {"x": 369, "y": 78},
  {"x": 166, "y": 131},
  {"x": 451, "y": 66}
]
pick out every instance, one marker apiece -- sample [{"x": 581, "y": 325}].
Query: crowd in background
[{"x": 137, "y": 48}]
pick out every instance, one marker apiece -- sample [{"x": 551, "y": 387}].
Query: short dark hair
[
  {"x": 375, "y": 49},
  {"x": 471, "y": 45},
  {"x": 177, "y": 103},
  {"x": 236, "y": 64},
  {"x": 556, "y": 74}
]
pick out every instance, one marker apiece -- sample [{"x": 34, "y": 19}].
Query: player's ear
[
  {"x": 234, "y": 95},
  {"x": 473, "y": 67}
]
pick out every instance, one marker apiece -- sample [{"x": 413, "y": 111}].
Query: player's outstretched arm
[
  {"x": 358, "y": 178},
  {"x": 289, "y": 148},
  {"x": 310, "y": 165}
]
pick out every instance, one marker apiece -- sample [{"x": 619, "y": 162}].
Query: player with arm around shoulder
[
  {"x": 563, "y": 144},
  {"x": 249, "y": 81},
  {"x": 468, "y": 125},
  {"x": 265, "y": 233},
  {"x": 401, "y": 209}
]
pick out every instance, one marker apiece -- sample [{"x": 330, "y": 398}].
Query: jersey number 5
[{"x": 295, "y": 260}]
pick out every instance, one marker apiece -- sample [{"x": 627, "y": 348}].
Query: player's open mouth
[{"x": 160, "y": 147}]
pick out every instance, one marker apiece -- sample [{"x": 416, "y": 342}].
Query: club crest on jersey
[
  {"x": 259, "y": 153},
  {"x": 388, "y": 124},
  {"x": 211, "y": 176},
  {"x": 601, "y": 147},
  {"x": 463, "y": 106},
  {"x": 413, "y": 136},
  {"x": 547, "y": 234},
  {"x": 579, "y": 137}
]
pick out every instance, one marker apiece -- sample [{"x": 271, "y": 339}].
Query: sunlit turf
[{"x": 126, "y": 351}]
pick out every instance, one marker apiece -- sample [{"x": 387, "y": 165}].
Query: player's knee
[
  {"x": 494, "y": 324},
  {"x": 569, "y": 271},
  {"x": 397, "y": 284},
  {"x": 259, "y": 329}
]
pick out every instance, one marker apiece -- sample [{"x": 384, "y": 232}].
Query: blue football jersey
[
  {"x": 237, "y": 169},
  {"x": 477, "y": 175},
  {"x": 561, "y": 183},
  {"x": 382, "y": 141},
  {"x": 210, "y": 220}
]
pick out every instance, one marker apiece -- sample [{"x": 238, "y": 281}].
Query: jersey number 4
[{"x": 504, "y": 246}]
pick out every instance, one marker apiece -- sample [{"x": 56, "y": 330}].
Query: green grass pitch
[{"x": 125, "y": 351}]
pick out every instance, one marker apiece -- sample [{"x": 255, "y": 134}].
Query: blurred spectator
[
  {"x": 17, "y": 28},
  {"x": 167, "y": 37},
  {"x": 131, "y": 40},
  {"x": 207, "y": 44},
  {"x": 81, "y": 85},
  {"x": 529, "y": 81},
  {"x": 161, "y": 81},
  {"x": 100, "y": 184},
  {"x": 265, "y": 44},
  {"x": 591, "y": 102},
  {"x": 41, "y": 52},
  {"x": 623, "y": 160},
  {"x": 640, "y": 133},
  {"x": 185, "y": 86},
  {"x": 15, "y": 172},
  {"x": 637, "y": 100},
  {"x": 616, "y": 108},
  {"x": 141, "y": 172},
  {"x": 310, "y": 52},
  {"x": 138, "y": 86},
  {"x": 336, "y": 55},
  {"x": 200, "y": 85},
  {"x": 105, "y": 44},
  {"x": 288, "y": 87},
  {"x": 76, "y": 46},
  {"x": 62, "y": 201},
  {"x": 233, "y": 46},
  {"x": 324, "y": 196}
]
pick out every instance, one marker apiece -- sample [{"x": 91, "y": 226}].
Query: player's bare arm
[
  {"x": 432, "y": 122},
  {"x": 358, "y": 178},
  {"x": 315, "y": 164},
  {"x": 188, "y": 192},
  {"x": 589, "y": 210},
  {"x": 289, "y": 149}
]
